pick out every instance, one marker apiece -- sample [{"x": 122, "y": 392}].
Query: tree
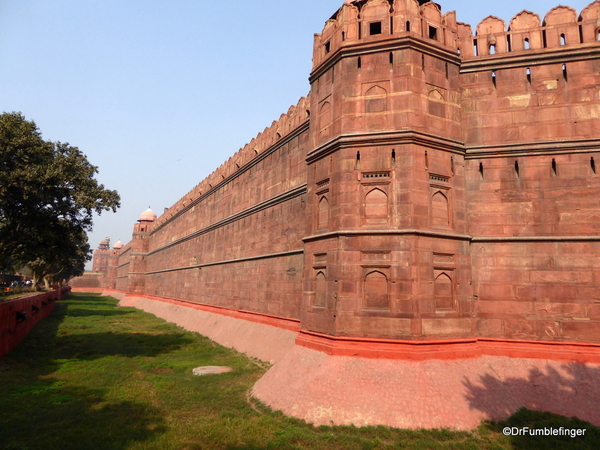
[{"x": 48, "y": 195}]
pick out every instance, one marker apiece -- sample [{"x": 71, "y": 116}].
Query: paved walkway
[{"x": 456, "y": 394}]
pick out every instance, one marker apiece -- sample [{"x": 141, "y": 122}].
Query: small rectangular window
[
  {"x": 375, "y": 28},
  {"x": 328, "y": 47},
  {"x": 432, "y": 32}
]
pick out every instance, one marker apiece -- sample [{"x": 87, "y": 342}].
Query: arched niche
[
  {"x": 325, "y": 118},
  {"x": 376, "y": 290},
  {"x": 323, "y": 214},
  {"x": 440, "y": 210},
  {"x": 375, "y": 100},
  {"x": 436, "y": 103},
  {"x": 443, "y": 292},
  {"x": 320, "y": 290},
  {"x": 376, "y": 204}
]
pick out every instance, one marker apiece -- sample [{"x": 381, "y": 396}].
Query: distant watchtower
[
  {"x": 139, "y": 250},
  {"x": 101, "y": 255}
]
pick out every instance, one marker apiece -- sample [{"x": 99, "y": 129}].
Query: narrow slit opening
[{"x": 544, "y": 41}]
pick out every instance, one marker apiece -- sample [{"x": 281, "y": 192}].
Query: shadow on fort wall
[
  {"x": 563, "y": 395},
  {"x": 74, "y": 417}
]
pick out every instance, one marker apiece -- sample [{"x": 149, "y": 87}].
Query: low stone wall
[
  {"x": 89, "y": 280},
  {"x": 19, "y": 316},
  {"x": 91, "y": 290}
]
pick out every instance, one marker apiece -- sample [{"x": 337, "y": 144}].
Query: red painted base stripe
[{"x": 449, "y": 349}]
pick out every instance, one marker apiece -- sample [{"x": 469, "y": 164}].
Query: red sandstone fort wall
[
  {"x": 236, "y": 239},
  {"x": 444, "y": 185},
  {"x": 530, "y": 114}
]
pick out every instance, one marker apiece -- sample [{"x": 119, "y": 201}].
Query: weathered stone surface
[
  {"x": 210, "y": 370},
  {"x": 435, "y": 184}
]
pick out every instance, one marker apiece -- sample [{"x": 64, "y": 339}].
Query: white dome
[{"x": 148, "y": 216}]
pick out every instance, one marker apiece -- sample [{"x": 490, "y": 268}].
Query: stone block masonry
[
  {"x": 20, "y": 315},
  {"x": 434, "y": 198}
]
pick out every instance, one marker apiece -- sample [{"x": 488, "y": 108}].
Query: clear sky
[{"x": 157, "y": 93}]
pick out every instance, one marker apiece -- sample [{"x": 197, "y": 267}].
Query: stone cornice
[
  {"x": 407, "y": 41},
  {"x": 446, "y": 235},
  {"x": 532, "y": 148},
  {"x": 398, "y": 232},
  {"x": 283, "y": 197},
  {"x": 229, "y": 261},
  {"x": 385, "y": 138},
  {"x": 528, "y": 58},
  {"x": 536, "y": 239}
]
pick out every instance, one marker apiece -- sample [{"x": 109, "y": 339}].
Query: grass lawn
[{"x": 94, "y": 376}]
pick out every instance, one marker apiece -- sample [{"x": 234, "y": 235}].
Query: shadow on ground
[
  {"x": 570, "y": 389},
  {"x": 74, "y": 419},
  {"x": 40, "y": 411},
  {"x": 524, "y": 420},
  {"x": 87, "y": 346}
]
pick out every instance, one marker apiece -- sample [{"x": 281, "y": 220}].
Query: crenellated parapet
[
  {"x": 560, "y": 28},
  {"x": 276, "y": 132},
  {"x": 382, "y": 21}
]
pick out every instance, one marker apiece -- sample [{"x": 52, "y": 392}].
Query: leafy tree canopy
[{"x": 48, "y": 196}]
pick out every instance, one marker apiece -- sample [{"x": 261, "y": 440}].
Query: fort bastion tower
[
  {"x": 388, "y": 255},
  {"x": 450, "y": 173}
]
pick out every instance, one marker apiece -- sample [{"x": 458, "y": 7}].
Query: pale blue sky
[{"x": 158, "y": 94}]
